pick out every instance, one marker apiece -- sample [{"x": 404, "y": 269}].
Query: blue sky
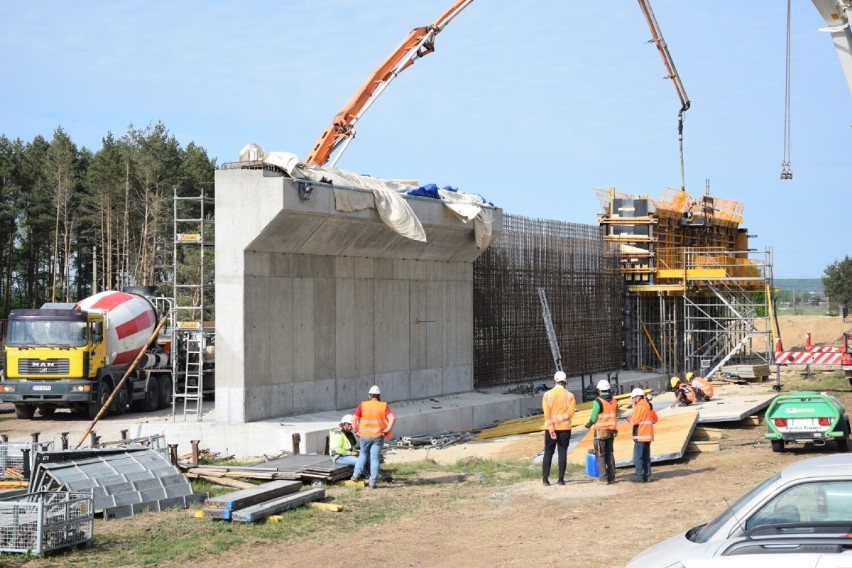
[{"x": 531, "y": 104}]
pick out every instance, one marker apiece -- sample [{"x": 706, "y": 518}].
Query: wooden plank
[
  {"x": 699, "y": 446},
  {"x": 262, "y": 510},
  {"x": 248, "y": 497},
  {"x": 702, "y": 433},
  {"x": 671, "y": 437},
  {"x": 224, "y": 481}
]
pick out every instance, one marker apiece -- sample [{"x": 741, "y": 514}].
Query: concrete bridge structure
[{"x": 314, "y": 305}]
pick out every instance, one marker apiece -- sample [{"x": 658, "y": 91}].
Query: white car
[{"x": 804, "y": 512}]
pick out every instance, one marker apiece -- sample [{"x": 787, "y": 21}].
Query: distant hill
[{"x": 799, "y": 284}]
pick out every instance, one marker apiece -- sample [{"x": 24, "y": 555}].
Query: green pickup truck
[{"x": 807, "y": 417}]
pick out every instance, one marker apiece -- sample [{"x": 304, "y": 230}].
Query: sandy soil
[{"x": 525, "y": 524}]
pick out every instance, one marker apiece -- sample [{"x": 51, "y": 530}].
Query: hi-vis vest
[
  {"x": 643, "y": 419},
  {"x": 608, "y": 415},
  {"x": 558, "y": 405},
  {"x": 704, "y": 385},
  {"x": 373, "y": 419}
]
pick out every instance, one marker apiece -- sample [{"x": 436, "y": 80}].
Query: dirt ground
[{"x": 525, "y": 524}]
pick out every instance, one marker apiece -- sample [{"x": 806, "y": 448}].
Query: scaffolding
[
  {"x": 192, "y": 334},
  {"x": 696, "y": 292}
]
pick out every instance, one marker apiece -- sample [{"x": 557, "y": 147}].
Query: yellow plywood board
[{"x": 671, "y": 437}]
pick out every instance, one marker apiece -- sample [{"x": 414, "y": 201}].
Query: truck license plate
[{"x": 42, "y": 387}]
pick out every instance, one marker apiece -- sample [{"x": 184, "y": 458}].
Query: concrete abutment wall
[{"x": 315, "y": 305}]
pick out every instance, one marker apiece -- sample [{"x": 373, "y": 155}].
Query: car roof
[{"x": 835, "y": 464}]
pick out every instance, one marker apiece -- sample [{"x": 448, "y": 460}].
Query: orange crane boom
[
  {"x": 657, "y": 39},
  {"x": 419, "y": 42}
]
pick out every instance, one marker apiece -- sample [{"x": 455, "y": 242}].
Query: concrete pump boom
[
  {"x": 419, "y": 42},
  {"x": 657, "y": 39}
]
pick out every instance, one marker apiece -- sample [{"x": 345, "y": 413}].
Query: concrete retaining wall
[{"x": 313, "y": 306}]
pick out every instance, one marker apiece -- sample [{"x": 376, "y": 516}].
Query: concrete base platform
[{"x": 304, "y": 433}]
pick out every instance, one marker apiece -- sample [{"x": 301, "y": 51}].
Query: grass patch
[
  {"x": 177, "y": 538},
  {"x": 821, "y": 382}
]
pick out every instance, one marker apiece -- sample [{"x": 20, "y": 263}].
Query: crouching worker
[
  {"x": 684, "y": 393},
  {"x": 703, "y": 388},
  {"x": 342, "y": 443}
]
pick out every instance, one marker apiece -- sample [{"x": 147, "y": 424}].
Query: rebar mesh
[{"x": 581, "y": 276}]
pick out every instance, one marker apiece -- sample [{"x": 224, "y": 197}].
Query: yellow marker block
[
  {"x": 199, "y": 514},
  {"x": 274, "y": 519},
  {"x": 333, "y": 507},
  {"x": 350, "y": 483}
]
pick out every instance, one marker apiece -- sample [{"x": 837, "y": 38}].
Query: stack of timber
[
  {"x": 307, "y": 468},
  {"x": 248, "y": 505},
  {"x": 749, "y": 372},
  {"x": 535, "y": 423}
]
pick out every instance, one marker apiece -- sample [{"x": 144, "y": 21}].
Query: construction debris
[
  {"x": 307, "y": 468},
  {"x": 749, "y": 372},
  {"x": 438, "y": 441}
]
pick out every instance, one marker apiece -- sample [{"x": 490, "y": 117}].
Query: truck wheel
[
  {"x": 103, "y": 395},
  {"x": 777, "y": 445},
  {"x": 151, "y": 402},
  {"x": 843, "y": 441},
  {"x": 24, "y": 411},
  {"x": 120, "y": 402},
  {"x": 47, "y": 410},
  {"x": 165, "y": 384}
]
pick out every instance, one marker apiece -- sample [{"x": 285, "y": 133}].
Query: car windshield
[
  {"x": 710, "y": 529},
  {"x": 812, "y": 503},
  {"x": 55, "y": 333}
]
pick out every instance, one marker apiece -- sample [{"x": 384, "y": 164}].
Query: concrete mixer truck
[{"x": 73, "y": 356}]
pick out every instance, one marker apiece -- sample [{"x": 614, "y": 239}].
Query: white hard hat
[
  {"x": 375, "y": 390},
  {"x": 347, "y": 419},
  {"x": 603, "y": 385},
  {"x": 637, "y": 392},
  {"x": 560, "y": 377}
]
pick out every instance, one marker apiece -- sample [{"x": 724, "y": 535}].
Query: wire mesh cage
[{"x": 37, "y": 523}]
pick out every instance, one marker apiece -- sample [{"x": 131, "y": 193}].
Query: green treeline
[{"x": 69, "y": 215}]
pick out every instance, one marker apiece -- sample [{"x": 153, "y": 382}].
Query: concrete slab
[{"x": 732, "y": 404}]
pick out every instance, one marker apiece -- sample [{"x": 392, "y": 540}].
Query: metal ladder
[
  {"x": 193, "y": 378},
  {"x": 551, "y": 333},
  {"x": 192, "y": 231}
]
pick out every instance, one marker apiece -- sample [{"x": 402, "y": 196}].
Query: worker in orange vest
[
  {"x": 684, "y": 393},
  {"x": 643, "y": 420},
  {"x": 602, "y": 421},
  {"x": 703, "y": 388},
  {"x": 559, "y": 405},
  {"x": 373, "y": 422}
]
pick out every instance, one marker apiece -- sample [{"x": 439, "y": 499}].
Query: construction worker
[
  {"x": 373, "y": 422},
  {"x": 703, "y": 388},
  {"x": 342, "y": 444},
  {"x": 603, "y": 422},
  {"x": 684, "y": 393},
  {"x": 559, "y": 405},
  {"x": 643, "y": 420}
]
